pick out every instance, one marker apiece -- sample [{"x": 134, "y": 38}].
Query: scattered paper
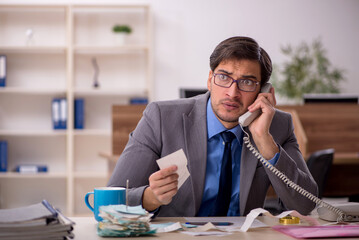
[
  {"x": 206, "y": 230},
  {"x": 237, "y": 222},
  {"x": 207, "y": 227},
  {"x": 166, "y": 227},
  {"x": 255, "y": 213},
  {"x": 179, "y": 159}
]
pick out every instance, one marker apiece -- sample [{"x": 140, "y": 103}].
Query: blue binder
[
  {"x": 3, "y": 156},
  {"x": 30, "y": 168},
  {"x": 79, "y": 113},
  {"x": 63, "y": 113},
  {"x": 55, "y": 106},
  {"x": 59, "y": 113},
  {"x": 2, "y": 70},
  {"x": 135, "y": 101}
]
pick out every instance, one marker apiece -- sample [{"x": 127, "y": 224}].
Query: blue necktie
[{"x": 225, "y": 182}]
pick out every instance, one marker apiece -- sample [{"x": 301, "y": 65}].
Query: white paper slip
[
  {"x": 179, "y": 159},
  {"x": 254, "y": 213},
  {"x": 237, "y": 222}
]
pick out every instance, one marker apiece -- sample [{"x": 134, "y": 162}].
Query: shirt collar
[{"x": 214, "y": 126}]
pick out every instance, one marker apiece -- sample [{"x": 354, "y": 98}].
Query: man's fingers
[
  {"x": 158, "y": 191},
  {"x": 155, "y": 183},
  {"x": 163, "y": 173},
  {"x": 267, "y": 98},
  {"x": 164, "y": 184}
]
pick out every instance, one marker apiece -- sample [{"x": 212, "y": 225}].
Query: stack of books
[
  {"x": 124, "y": 221},
  {"x": 37, "y": 221}
]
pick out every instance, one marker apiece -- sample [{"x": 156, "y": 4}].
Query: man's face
[{"x": 230, "y": 103}]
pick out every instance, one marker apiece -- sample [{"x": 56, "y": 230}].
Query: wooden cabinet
[{"x": 51, "y": 51}]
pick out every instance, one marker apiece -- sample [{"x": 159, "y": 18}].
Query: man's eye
[
  {"x": 223, "y": 77},
  {"x": 247, "y": 82}
]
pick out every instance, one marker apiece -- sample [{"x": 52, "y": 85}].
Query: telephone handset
[
  {"x": 348, "y": 212},
  {"x": 248, "y": 117}
]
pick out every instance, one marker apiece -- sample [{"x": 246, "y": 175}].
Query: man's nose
[{"x": 233, "y": 90}]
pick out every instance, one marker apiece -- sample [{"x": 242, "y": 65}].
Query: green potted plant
[
  {"x": 121, "y": 31},
  {"x": 307, "y": 70}
]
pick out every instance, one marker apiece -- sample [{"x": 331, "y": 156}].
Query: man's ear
[{"x": 209, "y": 81}]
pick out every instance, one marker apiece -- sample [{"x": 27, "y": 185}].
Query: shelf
[
  {"x": 111, "y": 50},
  {"x": 92, "y": 132},
  {"x": 33, "y": 49},
  {"x": 105, "y": 8},
  {"x": 90, "y": 175},
  {"x": 39, "y": 133},
  {"x": 16, "y": 175},
  {"x": 32, "y": 91},
  {"x": 33, "y": 8},
  {"x": 111, "y": 92}
]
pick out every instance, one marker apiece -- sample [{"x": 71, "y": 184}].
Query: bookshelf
[{"x": 58, "y": 62}]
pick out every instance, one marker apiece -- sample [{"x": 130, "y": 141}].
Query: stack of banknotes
[{"x": 124, "y": 221}]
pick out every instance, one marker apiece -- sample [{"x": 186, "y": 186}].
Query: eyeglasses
[{"x": 226, "y": 81}]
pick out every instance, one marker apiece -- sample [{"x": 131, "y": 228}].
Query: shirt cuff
[{"x": 274, "y": 160}]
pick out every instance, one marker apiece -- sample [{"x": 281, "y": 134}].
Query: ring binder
[
  {"x": 2, "y": 70},
  {"x": 3, "y": 156}
]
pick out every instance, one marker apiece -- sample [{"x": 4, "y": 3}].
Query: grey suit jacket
[{"x": 171, "y": 125}]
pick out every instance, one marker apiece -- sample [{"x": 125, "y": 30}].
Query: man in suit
[{"x": 239, "y": 67}]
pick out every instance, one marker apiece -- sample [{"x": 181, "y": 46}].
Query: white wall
[{"x": 187, "y": 31}]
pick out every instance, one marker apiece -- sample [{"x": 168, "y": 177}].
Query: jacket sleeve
[
  {"x": 292, "y": 164},
  {"x": 138, "y": 160}
]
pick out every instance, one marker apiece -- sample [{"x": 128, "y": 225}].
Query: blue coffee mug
[{"x": 104, "y": 196}]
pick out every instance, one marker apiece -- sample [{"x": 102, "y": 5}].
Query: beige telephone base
[{"x": 351, "y": 210}]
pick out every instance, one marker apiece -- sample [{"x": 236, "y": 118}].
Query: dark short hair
[{"x": 242, "y": 48}]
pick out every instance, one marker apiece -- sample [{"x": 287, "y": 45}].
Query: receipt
[
  {"x": 179, "y": 159},
  {"x": 254, "y": 213}
]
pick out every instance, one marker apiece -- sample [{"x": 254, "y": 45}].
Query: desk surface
[{"x": 85, "y": 228}]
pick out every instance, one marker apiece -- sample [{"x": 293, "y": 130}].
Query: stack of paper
[
  {"x": 124, "y": 221},
  {"x": 38, "y": 221}
]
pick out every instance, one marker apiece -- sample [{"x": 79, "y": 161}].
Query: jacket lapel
[{"x": 195, "y": 131}]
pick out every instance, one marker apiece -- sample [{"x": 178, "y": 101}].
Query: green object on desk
[
  {"x": 128, "y": 232},
  {"x": 124, "y": 221}
]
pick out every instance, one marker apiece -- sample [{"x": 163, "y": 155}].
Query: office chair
[{"x": 319, "y": 164}]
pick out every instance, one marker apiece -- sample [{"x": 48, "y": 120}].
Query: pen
[
  {"x": 214, "y": 223},
  {"x": 127, "y": 195}
]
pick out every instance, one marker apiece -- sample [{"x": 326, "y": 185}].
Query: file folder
[
  {"x": 59, "y": 113},
  {"x": 56, "y": 113},
  {"x": 2, "y": 70},
  {"x": 63, "y": 113},
  {"x": 79, "y": 113},
  {"x": 3, "y": 156},
  {"x": 30, "y": 168}
]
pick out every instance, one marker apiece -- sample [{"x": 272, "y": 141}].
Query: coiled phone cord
[{"x": 286, "y": 180}]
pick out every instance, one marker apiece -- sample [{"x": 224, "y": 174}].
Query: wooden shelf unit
[{"x": 57, "y": 62}]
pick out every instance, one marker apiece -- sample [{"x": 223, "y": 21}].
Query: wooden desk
[{"x": 85, "y": 228}]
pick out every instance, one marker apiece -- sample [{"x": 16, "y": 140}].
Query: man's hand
[
  {"x": 163, "y": 186},
  {"x": 260, "y": 126}
]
